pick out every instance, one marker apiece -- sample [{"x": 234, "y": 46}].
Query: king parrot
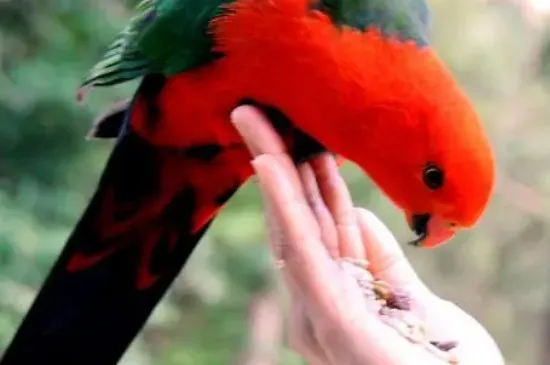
[{"x": 357, "y": 78}]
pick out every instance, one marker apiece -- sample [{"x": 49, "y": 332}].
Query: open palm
[{"x": 313, "y": 225}]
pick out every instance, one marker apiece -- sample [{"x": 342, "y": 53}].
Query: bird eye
[{"x": 433, "y": 177}]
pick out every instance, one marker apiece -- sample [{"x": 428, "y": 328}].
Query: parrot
[{"x": 356, "y": 78}]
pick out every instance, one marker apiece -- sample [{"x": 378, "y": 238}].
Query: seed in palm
[{"x": 395, "y": 310}]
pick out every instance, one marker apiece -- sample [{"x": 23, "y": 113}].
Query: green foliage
[{"x": 48, "y": 172}]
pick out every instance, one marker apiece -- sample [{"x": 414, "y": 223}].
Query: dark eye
[{"x": 433, "y": 177}]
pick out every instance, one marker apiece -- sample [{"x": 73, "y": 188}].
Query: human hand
[{"x": 312, "y": 225}]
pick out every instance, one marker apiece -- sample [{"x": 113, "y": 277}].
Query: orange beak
[{"x": 432, "y": 231}]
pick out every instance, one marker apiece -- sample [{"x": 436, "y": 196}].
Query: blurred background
[{"x": 229, "y": 300}]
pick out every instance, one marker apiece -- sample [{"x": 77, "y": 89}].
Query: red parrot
[{"x": 357, "y": 78}]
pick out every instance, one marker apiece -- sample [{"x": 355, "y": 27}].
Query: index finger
[
  {"x": 259, "y": 140},
  {"x": 262, "y": 139},
  {"x": 306, "y": 259}
]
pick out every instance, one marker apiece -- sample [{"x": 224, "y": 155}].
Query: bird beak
[{"x": 432, "y": 231}]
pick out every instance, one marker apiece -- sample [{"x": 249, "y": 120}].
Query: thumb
[{"x": 387, "y": 260}]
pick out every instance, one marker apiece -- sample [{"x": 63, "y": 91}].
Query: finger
[
  {"x": 387, "y": 260},
  {"x": 278, "y": 237},
  {"x": 275, "y": 234},
  {"x": 307, "y": 262},
  {"x": 261, "y": 138},
  {"x": 270, "y": 185},
  {"x": 328, "y": 233},
  {"x": 257, "y": 131},
  {"x": 337, "y": 197}
]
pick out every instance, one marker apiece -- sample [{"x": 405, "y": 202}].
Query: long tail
[
  {"x": 150, "y": 209},
  {"x": 142, "y": 224}
]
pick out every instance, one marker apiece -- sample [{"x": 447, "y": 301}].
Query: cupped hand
[{"x": 312, "y": 225}]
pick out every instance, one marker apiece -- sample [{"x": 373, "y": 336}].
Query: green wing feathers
[
  {"x": 406, "y": 19},
  {"x": 123, "y": 60},
  {"x": 167, "y": 36},
  {"x": 171, "y": 36}
]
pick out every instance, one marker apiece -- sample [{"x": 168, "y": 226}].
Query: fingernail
[
  {"x": 238, "y": 118},
  {"x": 243, "y": 119}
]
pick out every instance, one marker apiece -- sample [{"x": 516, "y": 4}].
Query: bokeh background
[{"x": 228, "y": 301}]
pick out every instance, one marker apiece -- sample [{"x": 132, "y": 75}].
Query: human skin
[{"x": 312, "y": 223}]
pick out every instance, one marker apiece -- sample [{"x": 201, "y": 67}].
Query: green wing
[
  {"x": 167, "y": 36},
  {"x": 123, "y": 60},
  {"x": 406, "y": 19},
  {"x": 170, "y": 36}
]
